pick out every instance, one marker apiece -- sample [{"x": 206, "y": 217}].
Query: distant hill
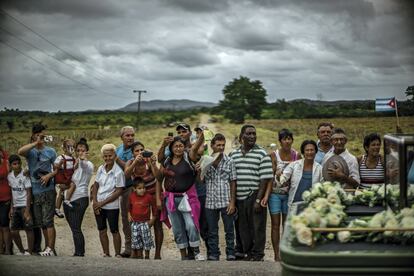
[{"x": 166, "y": 105}]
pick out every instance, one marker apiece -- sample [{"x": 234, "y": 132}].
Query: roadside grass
[{"x": 152, "y": 136}]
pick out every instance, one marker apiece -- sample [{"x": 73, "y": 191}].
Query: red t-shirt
[
  {"x": 140, "y": 206},
  {"x": 5, "y": 192}
]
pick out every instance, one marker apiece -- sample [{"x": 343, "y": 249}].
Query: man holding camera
[
  {"x": 124, "y": 154},
  {"x": 40, "y": 159}
]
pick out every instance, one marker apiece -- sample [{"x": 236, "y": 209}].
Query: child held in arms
[
  {"x": 65, "y": 165},
  {"x": 141, "y": 205}
]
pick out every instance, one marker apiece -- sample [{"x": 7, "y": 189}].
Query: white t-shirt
[
  {"x": 81, "y": 178},
  {"x": 18, "y": 185},
  {"x": 108, "y": 181},
  {"x": 70, "y": 161}
]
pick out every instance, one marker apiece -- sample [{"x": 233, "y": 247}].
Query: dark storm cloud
[
  {"x": 198, "y": 6},
  {"x": 192, "y": 49},
  {"x": 248, "y": 36},
  {"x": 191, "y": 56},
  {"x": 74, "y": 55},
  {"x": 74, "y": 8},
  {"x": 113, "y": 49},
  {"x": 353, "y": 7}
]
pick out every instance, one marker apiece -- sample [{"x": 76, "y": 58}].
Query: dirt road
[{"x": 33, "y": 265}]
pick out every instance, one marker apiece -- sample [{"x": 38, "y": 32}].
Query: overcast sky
[{"x": 190, "y": 49}]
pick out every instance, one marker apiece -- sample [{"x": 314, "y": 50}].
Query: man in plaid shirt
[{"x": 220, "y": 180}]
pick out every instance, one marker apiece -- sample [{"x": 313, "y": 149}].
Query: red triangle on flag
[{"x": 392, "y": 103}]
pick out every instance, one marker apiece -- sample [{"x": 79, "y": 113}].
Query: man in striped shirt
[{"x": 254, "y": 174}]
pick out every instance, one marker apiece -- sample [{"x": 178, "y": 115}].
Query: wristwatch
[{"x": 257, "y": 200}]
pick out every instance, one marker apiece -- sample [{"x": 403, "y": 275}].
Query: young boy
[
  {"x": 20, "y": 212},
  {"x": 141, "y": 204}
]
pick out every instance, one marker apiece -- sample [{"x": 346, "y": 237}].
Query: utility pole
[{"x": 139, "y": 105}]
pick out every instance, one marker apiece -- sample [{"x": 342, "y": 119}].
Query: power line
[
  {"x": 56, "y": 46},
  {"x": 44, "y": 52},
  {"x": 61, "y": 74}
]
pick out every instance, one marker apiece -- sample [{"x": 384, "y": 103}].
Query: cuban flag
[{"x": 385, "y": 104}]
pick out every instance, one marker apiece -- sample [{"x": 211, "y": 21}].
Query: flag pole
[{"x": 398, "y": 119}]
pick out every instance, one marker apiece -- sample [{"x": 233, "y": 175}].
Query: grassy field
[{"x": 152, "y": 136}]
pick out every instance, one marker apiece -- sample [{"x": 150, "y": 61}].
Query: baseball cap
[{"x": 183, "y": 125}]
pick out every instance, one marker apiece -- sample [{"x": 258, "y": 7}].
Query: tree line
[{"x": 245, "y": 99}]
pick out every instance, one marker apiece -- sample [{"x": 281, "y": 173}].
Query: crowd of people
[{"x": 185, "y": 185}]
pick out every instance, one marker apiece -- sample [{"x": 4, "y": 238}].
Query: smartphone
[
  {"x": 48, "y": 138},
  {"x": 147, "y": 154},
  {"x": 170, "y": 134}
]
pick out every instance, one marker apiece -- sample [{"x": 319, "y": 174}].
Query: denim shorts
[{"x": 278, "y": 204}]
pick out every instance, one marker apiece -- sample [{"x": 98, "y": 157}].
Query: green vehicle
[{"x": 357, "y": 258}]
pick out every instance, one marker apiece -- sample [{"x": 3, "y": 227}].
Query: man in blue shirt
[
  {"x": 124, "y": 153},
  {"x": 324, "y": 143},
  {"x": 40, "y": 159}
]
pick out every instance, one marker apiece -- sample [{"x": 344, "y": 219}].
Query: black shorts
[
  {"x": 44, "y": 209},
  {"x": 4, "y": 213},
  {"x": 110, "y": 215},
  {"x": 18, "y": 222}
]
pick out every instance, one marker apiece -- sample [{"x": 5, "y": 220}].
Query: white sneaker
[
  {"x": 48, "y": 252},
  {"x": 199, "y": 257},
  {"x": 59, "y": 213},
  {"x": 67, "y": 202}
]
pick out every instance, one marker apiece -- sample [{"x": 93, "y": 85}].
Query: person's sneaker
[
  {"x": 59, "y": 213},
  {"x": 240, "y": 256},
  {"x": 25, "y": 253},
  {"x": 231, "y": 258},
  {"x": 199, "y": 257},
  {"x": 67, "y": 202},
  {"x": 212, "y": 258},
  {"x": 256, "y": 259},
  {"x": 48, "y": 252},
  {"x": 190, "y": 253},
  {"x": 125, "y": 254}
]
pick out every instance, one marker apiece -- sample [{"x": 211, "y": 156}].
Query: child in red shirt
[{"x": 141, "y": 204}]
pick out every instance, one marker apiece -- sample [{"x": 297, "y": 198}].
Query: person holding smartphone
[
  {"x": 40, "y": 159},
  {"x": 143, "y": 166}
]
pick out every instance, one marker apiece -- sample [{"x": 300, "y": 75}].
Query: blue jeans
[
  {"x": 213, "y": 216},
  {"x": 184, "y": 230}
]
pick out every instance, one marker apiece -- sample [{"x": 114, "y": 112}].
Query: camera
[
  {"x": 147, "y": 154},
  {"x": 170, "y": 134},
  {"x": 48, "y": 138}
]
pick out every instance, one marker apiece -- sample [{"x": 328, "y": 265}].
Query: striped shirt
[
  {"x": 251, "y": 168},
  {"x": 144, "y": 171},
  {"x": 218, "y": 183},
  {"x": 371, "y": 176}
]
